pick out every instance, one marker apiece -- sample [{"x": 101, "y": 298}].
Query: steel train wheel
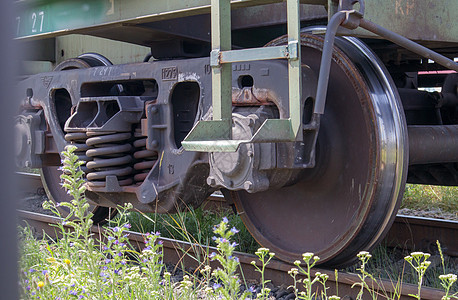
[
  {"x": 349, "y": 200},
  {"x": 50, "y": 175}
]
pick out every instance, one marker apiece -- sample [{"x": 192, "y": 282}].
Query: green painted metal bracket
[{"x": 216, "y": 135}]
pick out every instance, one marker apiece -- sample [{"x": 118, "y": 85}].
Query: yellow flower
[
  {"x": 51, "y": 259},
  {"x": 67, "y": 261},
  {"x": 40, "y": 284}
]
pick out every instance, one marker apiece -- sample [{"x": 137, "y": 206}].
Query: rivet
[{"x": 211, "y": 181}]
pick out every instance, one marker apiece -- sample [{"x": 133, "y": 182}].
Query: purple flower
[
  {"x": 28, "y": 288},
  {"x": 157, "y": 233},
  {"x": 116, "y": 272},
  {"x": 234, "y": 230},
  {"x": 145, "y": 260},
  {"x": 225, "y": 220},
  {"x": 105, "y": 248},
  {"x": 123, "y": 262},
  {"x": 119, "y": 254},
  {"x": 234, "y": 244},
  {"x": 44, "y": 272},
  {"x": 110, "y": 238},
  {"x": 74, "y": 293},
  {"x": 128, "y": 226},
  {"x": 126, "y": 235},
  {"x": 147, "y": 248},
  {"x": 213, "y": 254},
  {"x": 223, "y": 240},
  {"x": 160, "y": 242},
  {"x": 235, "y": 258},
  {"x": 252, "y": 289},
  {"x": 216, "y": 286},
  {"x": 31, "y": 270},
  {"x": 214, "y": 238},
  {"x": 116, "y": 229},
  {"x": 107, "y": 261},
  {"x": 122, "y": 244}
]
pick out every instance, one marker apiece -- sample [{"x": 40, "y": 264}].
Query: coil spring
[
  {"x": 78, "y": 139},
  {"x": 110, "y": 154},
  {"x": 145, "y": 159}
]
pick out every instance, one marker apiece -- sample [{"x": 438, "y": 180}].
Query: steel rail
[
  {"x": 184, "y": 254},
  {"x": 408, "y": 232}
]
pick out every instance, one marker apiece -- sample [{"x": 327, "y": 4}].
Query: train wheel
[
  {"x": 50, "y": 175},
  {"x": 349, "y": 200}
]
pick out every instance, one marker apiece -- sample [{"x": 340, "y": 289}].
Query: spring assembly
[
  {"x": 110, "y": 153},
  {"x": 145, "y": 159},
  {"x": 78, "y": 139}
]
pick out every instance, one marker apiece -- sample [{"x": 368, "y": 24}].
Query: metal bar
[
  {"x": 44, "y": 19},
  {"x": 242, "y": 55},
  {"x": 433, "y": 144},
  {"x": 222, "y": 74},
  {"x": 325, "y": 66},
  {"x": 294, "y": 68},
  {"x": 408, "y": 44}
]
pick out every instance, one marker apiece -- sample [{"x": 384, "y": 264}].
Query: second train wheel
[
  {"x": 347, "y": 202},
  {"x": 50, "y": 175}
]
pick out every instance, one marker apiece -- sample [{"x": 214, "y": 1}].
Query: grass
[
  {"x": 79, "y": 265},
  {"x": 195, "y": 226},
  {"x": 429, "y": 197}
]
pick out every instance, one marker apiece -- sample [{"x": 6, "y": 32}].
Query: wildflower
[
  {"x": 128, "y": 226},
  {"x": 123, "y": 262},
  {"x": 67, "y": 261},
  {"x": 160, "y": 242},
  {"x": 235, "y": 258},
  {"x": 216, "y": 286},
  {"x": 225, "y": 220},
  {"x": 44, "y": 272},
  {"x": 28, "y": 288},
  {"x": 449, "y": 277},
  {"x": 110, "y": 238},
  {"x": 31, "y": 270},
  {"x": 252, "y": 289},
  {"x": 107, "y": 261},
  {"x": 293, "y": 271},
  {"x": 40, "y": 284},
  {"x": 234, "y": 230},
  {"x": 234, "y": 244},
  {"x": 74, "y": 293},
  {"x": 116, "y": 229},
  {"x": 213, "y": 254}
]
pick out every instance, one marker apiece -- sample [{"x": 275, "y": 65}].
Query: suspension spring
[
  {"x": 145, "y": 159},
  {"x": 110, "y": 152},
  {"x": 78, "y": 139}
]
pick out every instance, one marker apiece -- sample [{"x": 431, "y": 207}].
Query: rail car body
[{"x": 311, "y": 135}]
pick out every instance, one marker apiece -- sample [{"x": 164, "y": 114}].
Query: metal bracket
[
  {"x": 352, "y": 19},
  {"x": 216, "y": 135}
]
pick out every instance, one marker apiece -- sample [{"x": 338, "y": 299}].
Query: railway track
[
  {"x": 408, "y": 232},
  {"x": 183, "y": 253}
]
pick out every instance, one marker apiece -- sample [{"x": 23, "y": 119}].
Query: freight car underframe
[{"x": 129, "y": 123}]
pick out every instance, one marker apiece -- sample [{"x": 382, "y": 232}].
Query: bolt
[
  {"x": 28, "y": 164},
  {"x": 154, "y": 110},
  {"x": 250, "y": 153},
  {"x": 28, "y": 120},
  {"x": 154, "y": 144},
  {"x": 29, "y": 142},
  {"x": 248, "y": 186},
  {"x": 211, "y": 181}
]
